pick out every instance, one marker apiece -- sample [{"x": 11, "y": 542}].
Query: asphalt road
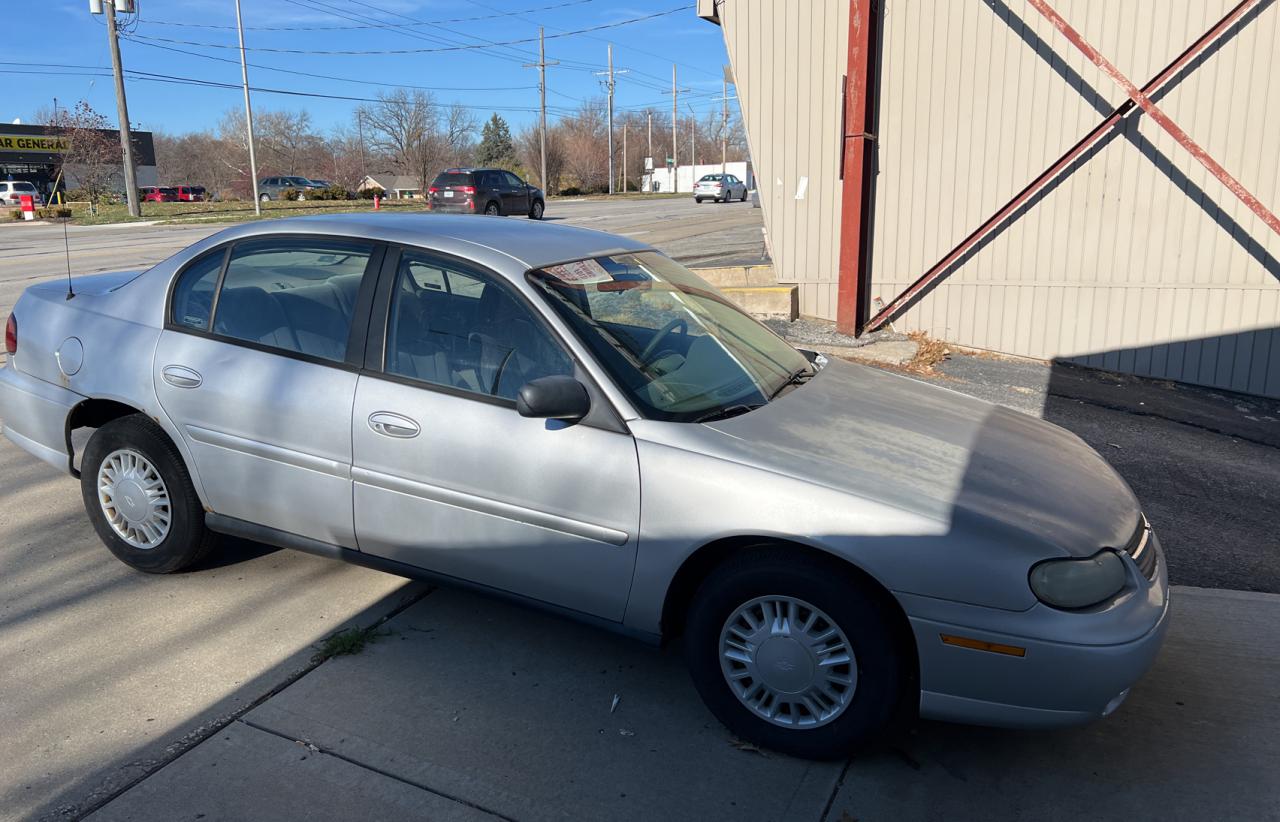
[{"x": 707, "y": 234}]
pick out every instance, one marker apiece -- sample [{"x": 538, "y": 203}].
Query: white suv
[{"x": 11, "y": 193}]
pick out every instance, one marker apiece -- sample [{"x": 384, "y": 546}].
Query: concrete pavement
[{"x": 473, "y": 709}]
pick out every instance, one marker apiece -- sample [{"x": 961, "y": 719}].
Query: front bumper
[
  {"x": 33, "y": 415},
  {"x": 1077, "y": 666}
]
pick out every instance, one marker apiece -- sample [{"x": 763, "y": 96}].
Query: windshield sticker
[{"x": 582, "y": 271}]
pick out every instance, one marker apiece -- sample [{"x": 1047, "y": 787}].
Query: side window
[
  {"x": 193, "y": 292},
  {"x": 293, "y": 294},
  {"x": 512, "y": 180},
  {"x": 465, "y": 330}
]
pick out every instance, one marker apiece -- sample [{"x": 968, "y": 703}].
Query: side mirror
[{"x": 554, "y": 398}]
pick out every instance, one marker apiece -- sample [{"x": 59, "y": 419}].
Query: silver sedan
[
  {"x": 720, "y": 188},
  {"x": 573, "y": 420}
]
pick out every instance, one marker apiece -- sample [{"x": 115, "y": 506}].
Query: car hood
[{"x": 978, "y": 468}]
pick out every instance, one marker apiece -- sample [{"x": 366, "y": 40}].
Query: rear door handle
[
  {"x": 393, "y": 425},
  {"x": 181, "y": 376}
]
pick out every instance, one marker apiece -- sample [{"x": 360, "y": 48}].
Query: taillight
[
  {"x": 468, "y": 189},
  {"x": 11, "y": 335},
  {"x": 433, "y": 190}
]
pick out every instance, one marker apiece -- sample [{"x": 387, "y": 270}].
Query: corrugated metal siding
[
  {"x": 1139, "y": 260},
  {"x": 788, "y": 57}
]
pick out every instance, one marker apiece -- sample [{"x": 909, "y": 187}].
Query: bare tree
[
  {"x": 407, "y": 127},
  {"x": 528, "y": 151},
  {"x": 92, "y": 159},
  {"x": 586, "y": 146},
  {"x": 460, "y": 130}
]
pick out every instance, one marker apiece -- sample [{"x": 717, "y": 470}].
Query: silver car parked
[
  {"x": 720, "y": 188},
  {"x": 573, "y": 420}
]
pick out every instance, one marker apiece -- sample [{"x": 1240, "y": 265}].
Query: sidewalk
[{"x": 473, "y": 709}]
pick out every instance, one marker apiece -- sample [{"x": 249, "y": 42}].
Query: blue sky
[{"x": 489, "y": 78}]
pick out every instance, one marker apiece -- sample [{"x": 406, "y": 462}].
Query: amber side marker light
[{"x": 980, "y": 645}]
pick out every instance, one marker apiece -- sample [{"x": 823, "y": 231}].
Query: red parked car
[
  {"x": 191, "y": 194},
  {"x": 156, "y": 194}
]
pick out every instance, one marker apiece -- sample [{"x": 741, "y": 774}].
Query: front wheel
[
  {"x": 698, "y": 200},
  {"x": 266, "y": 198},
  {"x": 795, "y": 654},
  {"x": 140, "y": 499},
  {"x": 536, "y": 210}
]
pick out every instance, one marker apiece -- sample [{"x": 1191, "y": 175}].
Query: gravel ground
[{"x": 821, "y": 332}]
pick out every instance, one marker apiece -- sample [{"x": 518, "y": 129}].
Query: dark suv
[{"x": 485, "y": 191}]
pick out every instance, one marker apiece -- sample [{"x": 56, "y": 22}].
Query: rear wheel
[
  {"x": 795, "y": 654},
  {"x": 140, "y": 499},
  {"x": 492, "y": 209},
  {"x": 536, "y": 210},
  {"x": 266, "y": 198},
  {"x": 698, "y": 200}
]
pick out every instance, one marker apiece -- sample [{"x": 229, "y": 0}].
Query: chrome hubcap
[
  {"x": 134, "y": 499},
  {"x": 788, "y": 662}
]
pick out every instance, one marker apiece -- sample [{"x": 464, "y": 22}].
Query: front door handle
[
  {"x": 181, "y": 377},
  {"x": 393, "y": 425}
]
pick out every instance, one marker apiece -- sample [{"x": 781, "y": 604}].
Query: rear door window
[{"x": 292, "y": 294}]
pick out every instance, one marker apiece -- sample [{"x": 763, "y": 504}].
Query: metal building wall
[
  {"x": 788, "y": 57},
  {"x": 1138, "y": 260}
]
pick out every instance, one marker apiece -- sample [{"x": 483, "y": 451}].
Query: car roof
[{"x": 531, "y": 243}]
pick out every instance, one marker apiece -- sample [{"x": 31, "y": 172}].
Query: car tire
[
  {"x": 146, "y": 454},
  {"x": 744, "y": 196},
  {"x": 536, "y": 210},
  {"x": 492, "y": 210},
  {"x": 698, "y": 200},
  {"x": 266, "y": 198},
  {"x": 834, "y": 596}
]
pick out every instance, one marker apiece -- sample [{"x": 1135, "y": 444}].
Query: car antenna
[{"x": 66, "y": 244}]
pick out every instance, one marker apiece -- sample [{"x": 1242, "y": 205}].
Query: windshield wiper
[
  {"x": 800, "y": 377},
  {"x": 727, "y": 412}
]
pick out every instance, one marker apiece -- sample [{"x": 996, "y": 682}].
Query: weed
[{"x": 347, "y": 642}]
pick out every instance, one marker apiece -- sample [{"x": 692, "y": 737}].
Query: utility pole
[
  {"x": 609, "y": 86},
  {"x": 248, "y": 114},
  {"x": 693, "y": 142},
  {"x": 675, "y": 155},
  {"x": 541, "y": 66},
  {"x": 364, "y": 172},
  {"x": 650, "y": 118},
  {"x": 122, "y": 112},
  {"x": 724, "y": 127},
  {"x": 624, "y": 158}
]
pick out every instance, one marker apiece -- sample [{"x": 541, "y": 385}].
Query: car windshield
[
  {"x": 678, "y": 347},
  {"x": 709, "y": 178}
]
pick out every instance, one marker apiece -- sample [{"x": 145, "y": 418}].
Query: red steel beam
[
  {"x": 1138, "y": 96},
  {"x": 939, "y": 269},
  {"x": 854, "y": 203}
]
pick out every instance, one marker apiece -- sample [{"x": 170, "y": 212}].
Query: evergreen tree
[{"x": 496, "y": 147}]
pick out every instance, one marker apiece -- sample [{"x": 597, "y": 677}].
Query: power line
[
  {"x": 460, "y": 47},
  {"x": 312, "y": 74},
  {"x": 496, "y": 13},
  {"x": 98, "y": 71}
]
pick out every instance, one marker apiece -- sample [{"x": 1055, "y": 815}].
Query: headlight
[{"x": 1078, "y": 583}]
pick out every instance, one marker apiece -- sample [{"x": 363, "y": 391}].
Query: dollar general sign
[{"x": 30, "y": 142}]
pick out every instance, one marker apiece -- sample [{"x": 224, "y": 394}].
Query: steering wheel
[{"x": 678, "y": 322}]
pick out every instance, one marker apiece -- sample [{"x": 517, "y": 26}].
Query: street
[
  {"x": 722, "y": 233},
  {"x": 139, "y": 697}
]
